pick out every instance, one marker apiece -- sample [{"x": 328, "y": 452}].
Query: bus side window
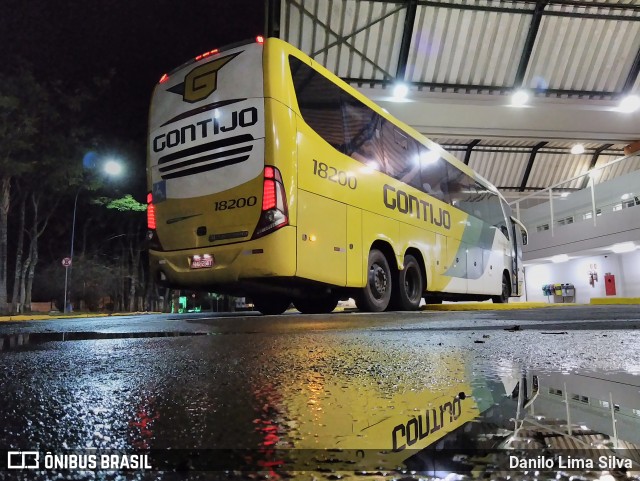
[
  {"x": 362, "y": 132},
  {"x": 401, "y": 155},
  {"x": 319, "y": 103},
  {"x": 433, "y": 174}
]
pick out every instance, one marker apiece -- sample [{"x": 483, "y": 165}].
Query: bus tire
[
  {"x": 376, "y": 294},
  {"x": 506, "y": 291},
  {"x": 272, "y": 304},
  {"x": 408, "y": 286},
  {"x": 316, "y": 305}
]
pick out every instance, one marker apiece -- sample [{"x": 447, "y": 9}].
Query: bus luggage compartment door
[{"x": 321, "y": 239}]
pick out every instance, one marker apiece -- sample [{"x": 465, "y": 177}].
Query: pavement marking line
[
  {"x": 614, "y": 300},
  {"x": 480, "y": 306},
  {"x": 11, "y": 341},
  {"x": 55, "y": 317}
]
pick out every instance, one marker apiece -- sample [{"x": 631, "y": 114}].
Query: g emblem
[{"x": 202, "y": 81}]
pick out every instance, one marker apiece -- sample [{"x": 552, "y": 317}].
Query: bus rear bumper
[{"x": 268, "y": 257}]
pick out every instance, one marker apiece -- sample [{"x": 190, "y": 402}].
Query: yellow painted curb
[
  {"x": 54, "y": 317},
  {"x": 468, "y": 306},
  {"x": 615, "y": 300}
]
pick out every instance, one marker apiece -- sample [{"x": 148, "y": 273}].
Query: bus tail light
[
  {"x": 152, "y": 236},
  {"x": 275, "y": 213},
  {"x": 151, "y": 212}
]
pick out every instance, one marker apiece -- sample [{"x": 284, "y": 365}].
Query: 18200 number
[
  {"x": 340, "y": 177},
  {"x": 235, "y": 203}
]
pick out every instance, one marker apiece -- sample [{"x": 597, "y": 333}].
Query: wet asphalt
[{"x": 216, "y": 381}]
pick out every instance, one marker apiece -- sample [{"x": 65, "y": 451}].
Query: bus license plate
[{"x": 202, "y": 263}]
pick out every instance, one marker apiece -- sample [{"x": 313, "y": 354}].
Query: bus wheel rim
[
  {"x": 411, "y": 284},
  {"x": 378, "y": 281}
]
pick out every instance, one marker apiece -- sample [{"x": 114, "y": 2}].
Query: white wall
[
  {"x": 630, "y": 267},
  {"x": 625, "y": 267}
]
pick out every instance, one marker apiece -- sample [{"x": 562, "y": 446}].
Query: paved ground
[{"x": 216, "y": 382}]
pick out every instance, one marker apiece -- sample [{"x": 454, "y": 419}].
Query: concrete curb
[
  {"x": 491, "y": 307},
  {"x": 614, "y": 300},
  {"x": 50, "y": 317}
]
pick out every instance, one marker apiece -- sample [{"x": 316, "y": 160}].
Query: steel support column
[
  {"x": 527, "y": 172},
  {"x": 407, "y": 34}
]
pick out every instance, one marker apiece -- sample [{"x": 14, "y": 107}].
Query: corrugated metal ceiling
[{"x": 565, "y": 49}]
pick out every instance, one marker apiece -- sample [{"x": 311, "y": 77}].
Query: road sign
[{"x": 66, "y": 262}]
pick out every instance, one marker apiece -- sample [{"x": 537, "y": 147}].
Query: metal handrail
[{"x": 595, "y": 169}]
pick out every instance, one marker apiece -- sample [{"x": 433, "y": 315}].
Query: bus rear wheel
[
  {"x": 376, "y": 294},
  {"x": 272, "y": 304},
  {"x": 506, "y": 291},
  {"x": 316, "y": 305},
  {"x": 409, "y": 286}
]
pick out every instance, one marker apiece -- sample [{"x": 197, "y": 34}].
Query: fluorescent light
[
  {"x": 519, "y": 98},
  {"x": 629, "y": 104},
  {"x": 623, "y": 247},
  {"x": 577, "y": 149},
  {"x": 400, "y": 91},
  {"x": 564, "y": 194},
  {"x": 560, "y": 258}
]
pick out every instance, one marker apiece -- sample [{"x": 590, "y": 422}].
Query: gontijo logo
[{"x": 202, "y": 81}]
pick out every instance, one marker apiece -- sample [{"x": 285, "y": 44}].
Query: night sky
[{"x": 138, "y": 40}]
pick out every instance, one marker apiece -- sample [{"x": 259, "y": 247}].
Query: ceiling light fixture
[
  {"x": 623, "y": 247},
  {"x": 629, "y": 104},
  {"x": 400, "y": 91},
  {"x": 577, "y": 149},
  {"x": 560, "y": 258},
  {"x": 519, "y": 98}
]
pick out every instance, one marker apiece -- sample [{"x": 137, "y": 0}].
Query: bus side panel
[
  {"x": 354, "y": 247},
  {"x": 281, "y": 149},
  {"x": 321, "y": 239},
  {"x": 425, "y": 242},
  {"x": 378, "y": 227},
  {"x": 457, "y": 270}
]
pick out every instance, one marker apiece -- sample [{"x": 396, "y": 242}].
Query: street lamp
[{"x": 112, "y": 168}]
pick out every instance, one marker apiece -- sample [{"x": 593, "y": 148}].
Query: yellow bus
[{"x": 271, "y": 178}]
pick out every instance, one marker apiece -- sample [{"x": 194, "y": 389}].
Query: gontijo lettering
[
  {"x": 428, "y": 422},
  {"x": 201, "y": 130},
  {"x": 396, "y": 199}
]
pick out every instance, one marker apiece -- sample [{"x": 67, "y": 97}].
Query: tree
[
  {"x": 42, "y": 131},
  {"x": 20, "y": 98}
]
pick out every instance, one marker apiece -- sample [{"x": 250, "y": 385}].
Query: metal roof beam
[
  {"x": 467, "y": 155},
  {"x": 594, "y": 161},
  {"x": 589, "y": 4},
  {"x": 272, "y": 17},
  {"x": 572, "y": 3},
  {"x": 407, "y": 34},
  {"x": 469, "y": 88},
  {"x": 534, "y": 26},
  {"x": 532, "y": 158},
  {"x": 528, "y": 11},
  {"x": 633, "y": 74}
]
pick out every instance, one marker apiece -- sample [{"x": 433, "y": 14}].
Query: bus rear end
[{"x": 216, "y": 210}]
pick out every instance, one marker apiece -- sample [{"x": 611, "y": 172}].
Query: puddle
[
  {"x": 292, "y": 407},
  {"x": 12, "y": 341},
  {"x": 497, "y": 422}
]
